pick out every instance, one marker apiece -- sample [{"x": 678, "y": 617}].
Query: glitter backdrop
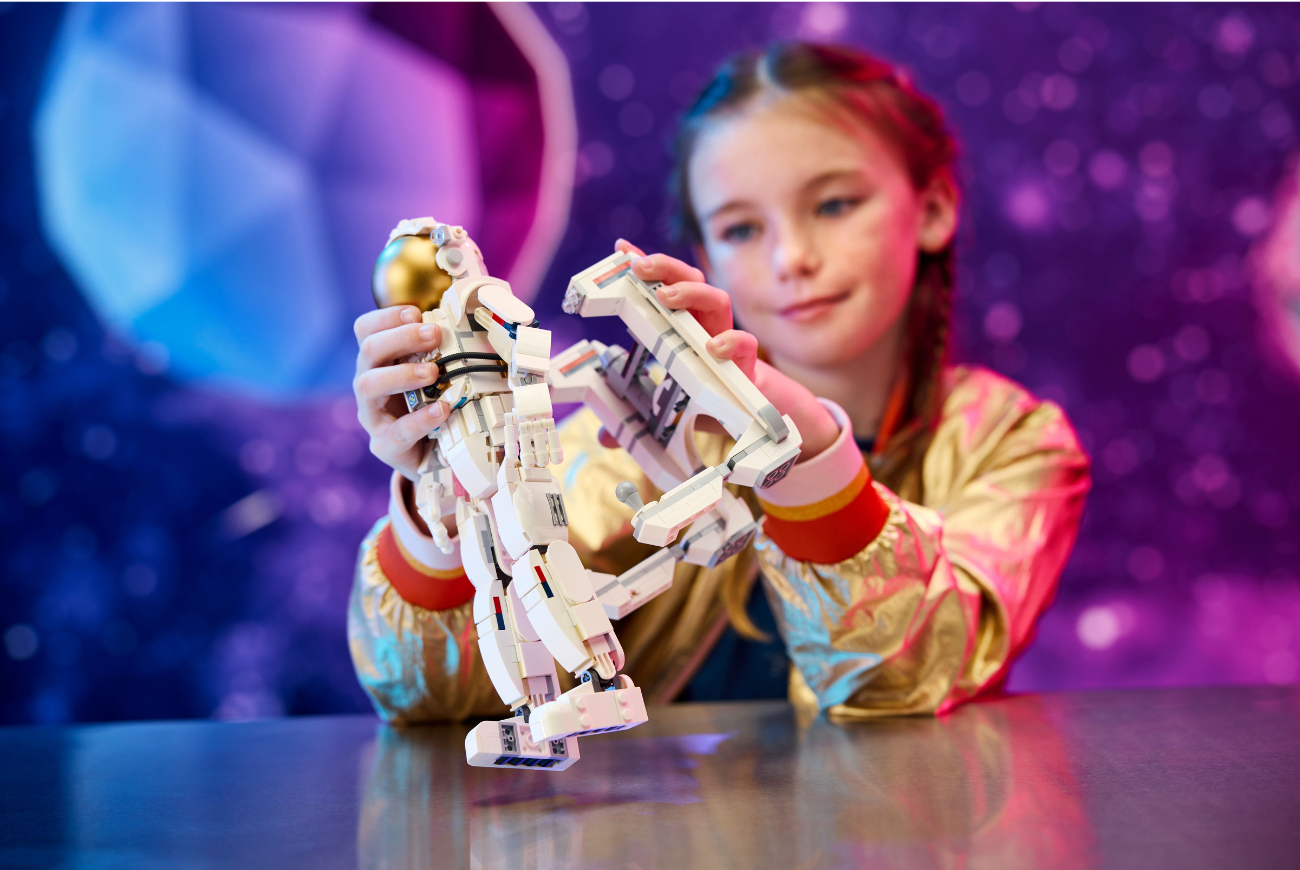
[{"x": 1129, "y": 250}]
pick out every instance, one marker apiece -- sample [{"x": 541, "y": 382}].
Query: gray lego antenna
[{"x": 626, "y": 493}]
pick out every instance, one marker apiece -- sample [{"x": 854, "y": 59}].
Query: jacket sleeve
[
  {"x": 410, "y": 625},
  {"x": 888, "y": 607}
]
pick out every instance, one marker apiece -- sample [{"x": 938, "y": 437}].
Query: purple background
[{"x": 1120, "y": 164}]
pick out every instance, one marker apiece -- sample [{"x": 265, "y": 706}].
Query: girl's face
[{"x": 812, "y": 229}]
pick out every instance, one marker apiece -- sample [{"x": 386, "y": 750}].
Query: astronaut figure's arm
[{"x": 648, "y": 398}]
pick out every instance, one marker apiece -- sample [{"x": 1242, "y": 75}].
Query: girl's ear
[{"x": 939, "y": 205}]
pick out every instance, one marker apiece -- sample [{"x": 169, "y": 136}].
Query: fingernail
[
  {"x": 435, "y": 410},
  {"x": 410, "y": 315},
  {"x": 643, "y": 262},
  {"x": 427, "y": 331},
  {"x": 423, "y": 372}
]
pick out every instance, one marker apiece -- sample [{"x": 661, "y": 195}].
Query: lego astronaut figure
[{"x": 490, "y": 466}]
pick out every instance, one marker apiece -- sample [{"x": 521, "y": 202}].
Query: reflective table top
[{"x": 1169, "y": 778}]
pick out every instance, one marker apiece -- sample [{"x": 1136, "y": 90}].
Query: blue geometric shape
[{"x": 219, "y": 178}]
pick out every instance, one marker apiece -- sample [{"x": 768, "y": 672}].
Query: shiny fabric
[{"x": 929, "y": 614}]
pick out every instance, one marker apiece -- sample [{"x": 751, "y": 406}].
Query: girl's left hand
[{"x": 685, "y": 287}]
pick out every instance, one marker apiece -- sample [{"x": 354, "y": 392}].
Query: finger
[
  {"x": 710, "y": 306},
  {"x": 384, "y": 318},
  {"x": 606, "y": 439},
  {"x": 385, "y": 347},
  {"x": 661, "y": 267},
  {"x": 408, "y": 429},
  {"x": 623, "y": 246},
  {"x": 738, "y": 346},
  {"x": 374, "y": 386}
]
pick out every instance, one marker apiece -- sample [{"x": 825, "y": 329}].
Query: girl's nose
[{"x": 795, "y": 255}]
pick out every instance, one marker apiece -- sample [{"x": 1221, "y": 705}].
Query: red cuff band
[
  {"x": 833, "y": 537},
  {"x": 417, "y": 584}
]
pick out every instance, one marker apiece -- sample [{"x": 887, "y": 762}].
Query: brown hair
[{"x": 863, "y": 90}]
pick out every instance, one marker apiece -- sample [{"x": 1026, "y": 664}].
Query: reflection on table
[
  {"x": 743, "y": 785},
  {"x": 1173, "y": 778}
]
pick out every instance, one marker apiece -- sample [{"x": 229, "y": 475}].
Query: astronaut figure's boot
[
  {"x": 510, "y": 743},
  {"x": 587, "y": 709}
]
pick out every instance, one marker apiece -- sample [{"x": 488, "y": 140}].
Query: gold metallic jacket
[{"x": 925, "y": 614}]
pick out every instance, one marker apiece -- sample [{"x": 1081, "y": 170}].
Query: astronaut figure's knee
[
  {"x": 536, "y": 664},
  {"x": 498, "y": 643},
  {"x": 563, "y": 609}
]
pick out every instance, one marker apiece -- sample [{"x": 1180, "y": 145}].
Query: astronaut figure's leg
[
  {"x": 521, "y": 669},
  {"x": 561, "y": 603}
]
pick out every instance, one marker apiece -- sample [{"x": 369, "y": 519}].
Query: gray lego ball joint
[{"x": 627, "y": 494}]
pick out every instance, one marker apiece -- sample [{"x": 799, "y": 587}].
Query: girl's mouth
[{"x": 813, "y": 309}]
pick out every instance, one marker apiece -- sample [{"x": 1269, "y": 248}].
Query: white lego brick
[
  {"x": 639, "y": 584},
  {"x": 617, "y": 602},
  {"x": 586, "y": 298},
  {"x": 550, "y": 617},
  {"x": 533, "y": 341},
  {"x": 452, "y": 304},
  {"x": 484, "y": 383},
  {"x": 511, "y": 526},
  {"x": 478, "y": 564},
  {"x": 589, "y": 712},
  {"x": 590, "y": 619},
  {"x": 493, "y": 412},
  {"x": 502, "y": 344},
  {"x": 529, "y": 364},
  {"x": 533, "y": 400},
  {"x": 704, "y": 537},
  {"x": 570, "y": 576},
  {"x": 534, "y": 660},
  {"x": 644, "y": 321},
  {"x": 765, "y": 462},
  {"x": 467, "y": 418},
  {"x": 495, "y": 295},
  {"x": 497, "y": 651},
  {"x": 539, "y": 475}
]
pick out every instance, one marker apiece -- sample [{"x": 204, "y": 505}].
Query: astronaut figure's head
[{"x": 407, "y": 272}]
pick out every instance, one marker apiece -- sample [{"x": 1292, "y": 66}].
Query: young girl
[{"x": 908, "y": 554}]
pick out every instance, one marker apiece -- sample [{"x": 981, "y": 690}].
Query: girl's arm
[
  {"x": 888, "y": 607},
  {"x": 410, "y": 627}
]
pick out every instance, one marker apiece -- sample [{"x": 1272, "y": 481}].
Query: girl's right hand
[
  {"x": 385, "y": 337},
  {"x": 684, "y": 286}
]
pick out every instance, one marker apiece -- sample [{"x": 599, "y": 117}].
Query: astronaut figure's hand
[
  {"x": 534, "y": 441},
  {"x": 531, "y": 437},
  {"x": 428, "y": 501}
]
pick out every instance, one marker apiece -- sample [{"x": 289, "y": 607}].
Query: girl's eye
[
  {"x": 836, "y": 206},
  {"x": 741, "y": 232}
]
